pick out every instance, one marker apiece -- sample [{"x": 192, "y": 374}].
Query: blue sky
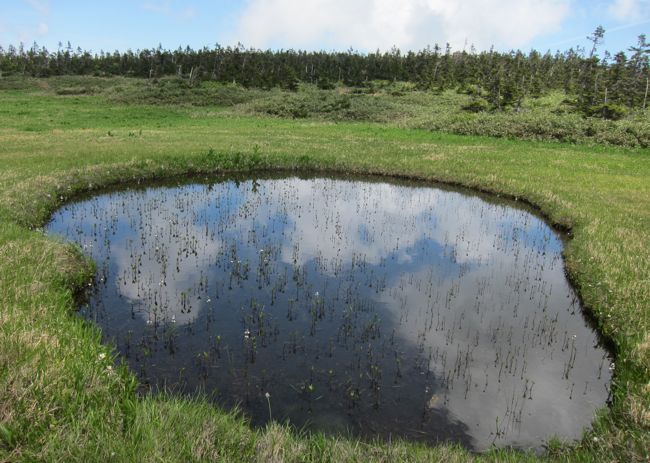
[{"x": 364, "y": 25}]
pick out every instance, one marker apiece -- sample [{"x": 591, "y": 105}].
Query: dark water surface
[{"x": 346, "y": 305}]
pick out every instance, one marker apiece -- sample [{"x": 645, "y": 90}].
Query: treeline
[{"x": 495, "y": 79}]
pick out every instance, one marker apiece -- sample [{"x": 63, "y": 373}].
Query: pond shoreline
[{"x": 605, "y": 272}]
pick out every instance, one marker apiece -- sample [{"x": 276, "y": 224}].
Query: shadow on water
[{"x": 345, "y": 305}]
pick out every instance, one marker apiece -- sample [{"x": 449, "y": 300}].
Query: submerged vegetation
[
  {"x": 64, "y": 395},
  {"x": 360, "y": 307}
]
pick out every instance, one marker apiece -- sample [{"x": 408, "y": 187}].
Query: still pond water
[{"x": 346, "y": 305}]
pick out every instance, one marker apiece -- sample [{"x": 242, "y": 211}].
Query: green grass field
[{"x": 62, "y": 395}]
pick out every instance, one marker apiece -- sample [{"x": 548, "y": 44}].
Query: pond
[{"x": 348, "y": 305}]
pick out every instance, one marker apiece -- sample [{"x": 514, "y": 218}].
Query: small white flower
[
  {"x": 102, "y": 356},
  {"x": 267, "y": 395}
]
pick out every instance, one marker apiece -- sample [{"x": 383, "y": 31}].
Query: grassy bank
[{"x": 63, "y": 398}]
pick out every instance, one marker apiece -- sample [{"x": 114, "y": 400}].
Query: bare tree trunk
[
  {"x": 605, "y": 95},
  {"x": 435, "y": 73},
  {"x": 645, "y": 97},
  {"x": 194, "y": 73}
]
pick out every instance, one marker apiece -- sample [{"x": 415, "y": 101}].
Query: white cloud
[
  {"x": 624, "y": 10},
  {"x": 42, "y": 7},
  {"x": 30, "y": 33},
  {"x": 408, "y": 24},
  {"x": 33, "y": 29}
]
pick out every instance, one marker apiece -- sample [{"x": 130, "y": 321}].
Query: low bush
[
  {"x": 476, "y": 105},
  {"x": 609, "y": 111}
]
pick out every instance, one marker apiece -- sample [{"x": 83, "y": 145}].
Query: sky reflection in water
[{"x": 361, "y": 307}]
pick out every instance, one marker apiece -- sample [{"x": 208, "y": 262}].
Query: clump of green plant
[
  {"x": 313, "y": 103},
  {"x": 74, "y": 91},
  {"x": 178, "y": 91},
  {"x": 610, "y": 111},
  {"x": 476, "y": 105},
  {"x": 325, "y": 84}
]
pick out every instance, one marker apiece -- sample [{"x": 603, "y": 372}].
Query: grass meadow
[{"x": 64, "y": 395}]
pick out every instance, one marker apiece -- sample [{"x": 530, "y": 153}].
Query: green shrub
[
  {"x": 610, "y": 111},
  {"x": 470, "y": 89},
  {"x": 175, "y": 91},
  {"x": 73, "y": 91},
  {"x": 476, "y": 105},
  {"x": 325, "y": 84}
]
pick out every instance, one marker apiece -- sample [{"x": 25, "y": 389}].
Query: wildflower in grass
[{"x": 268, "y": 400}]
